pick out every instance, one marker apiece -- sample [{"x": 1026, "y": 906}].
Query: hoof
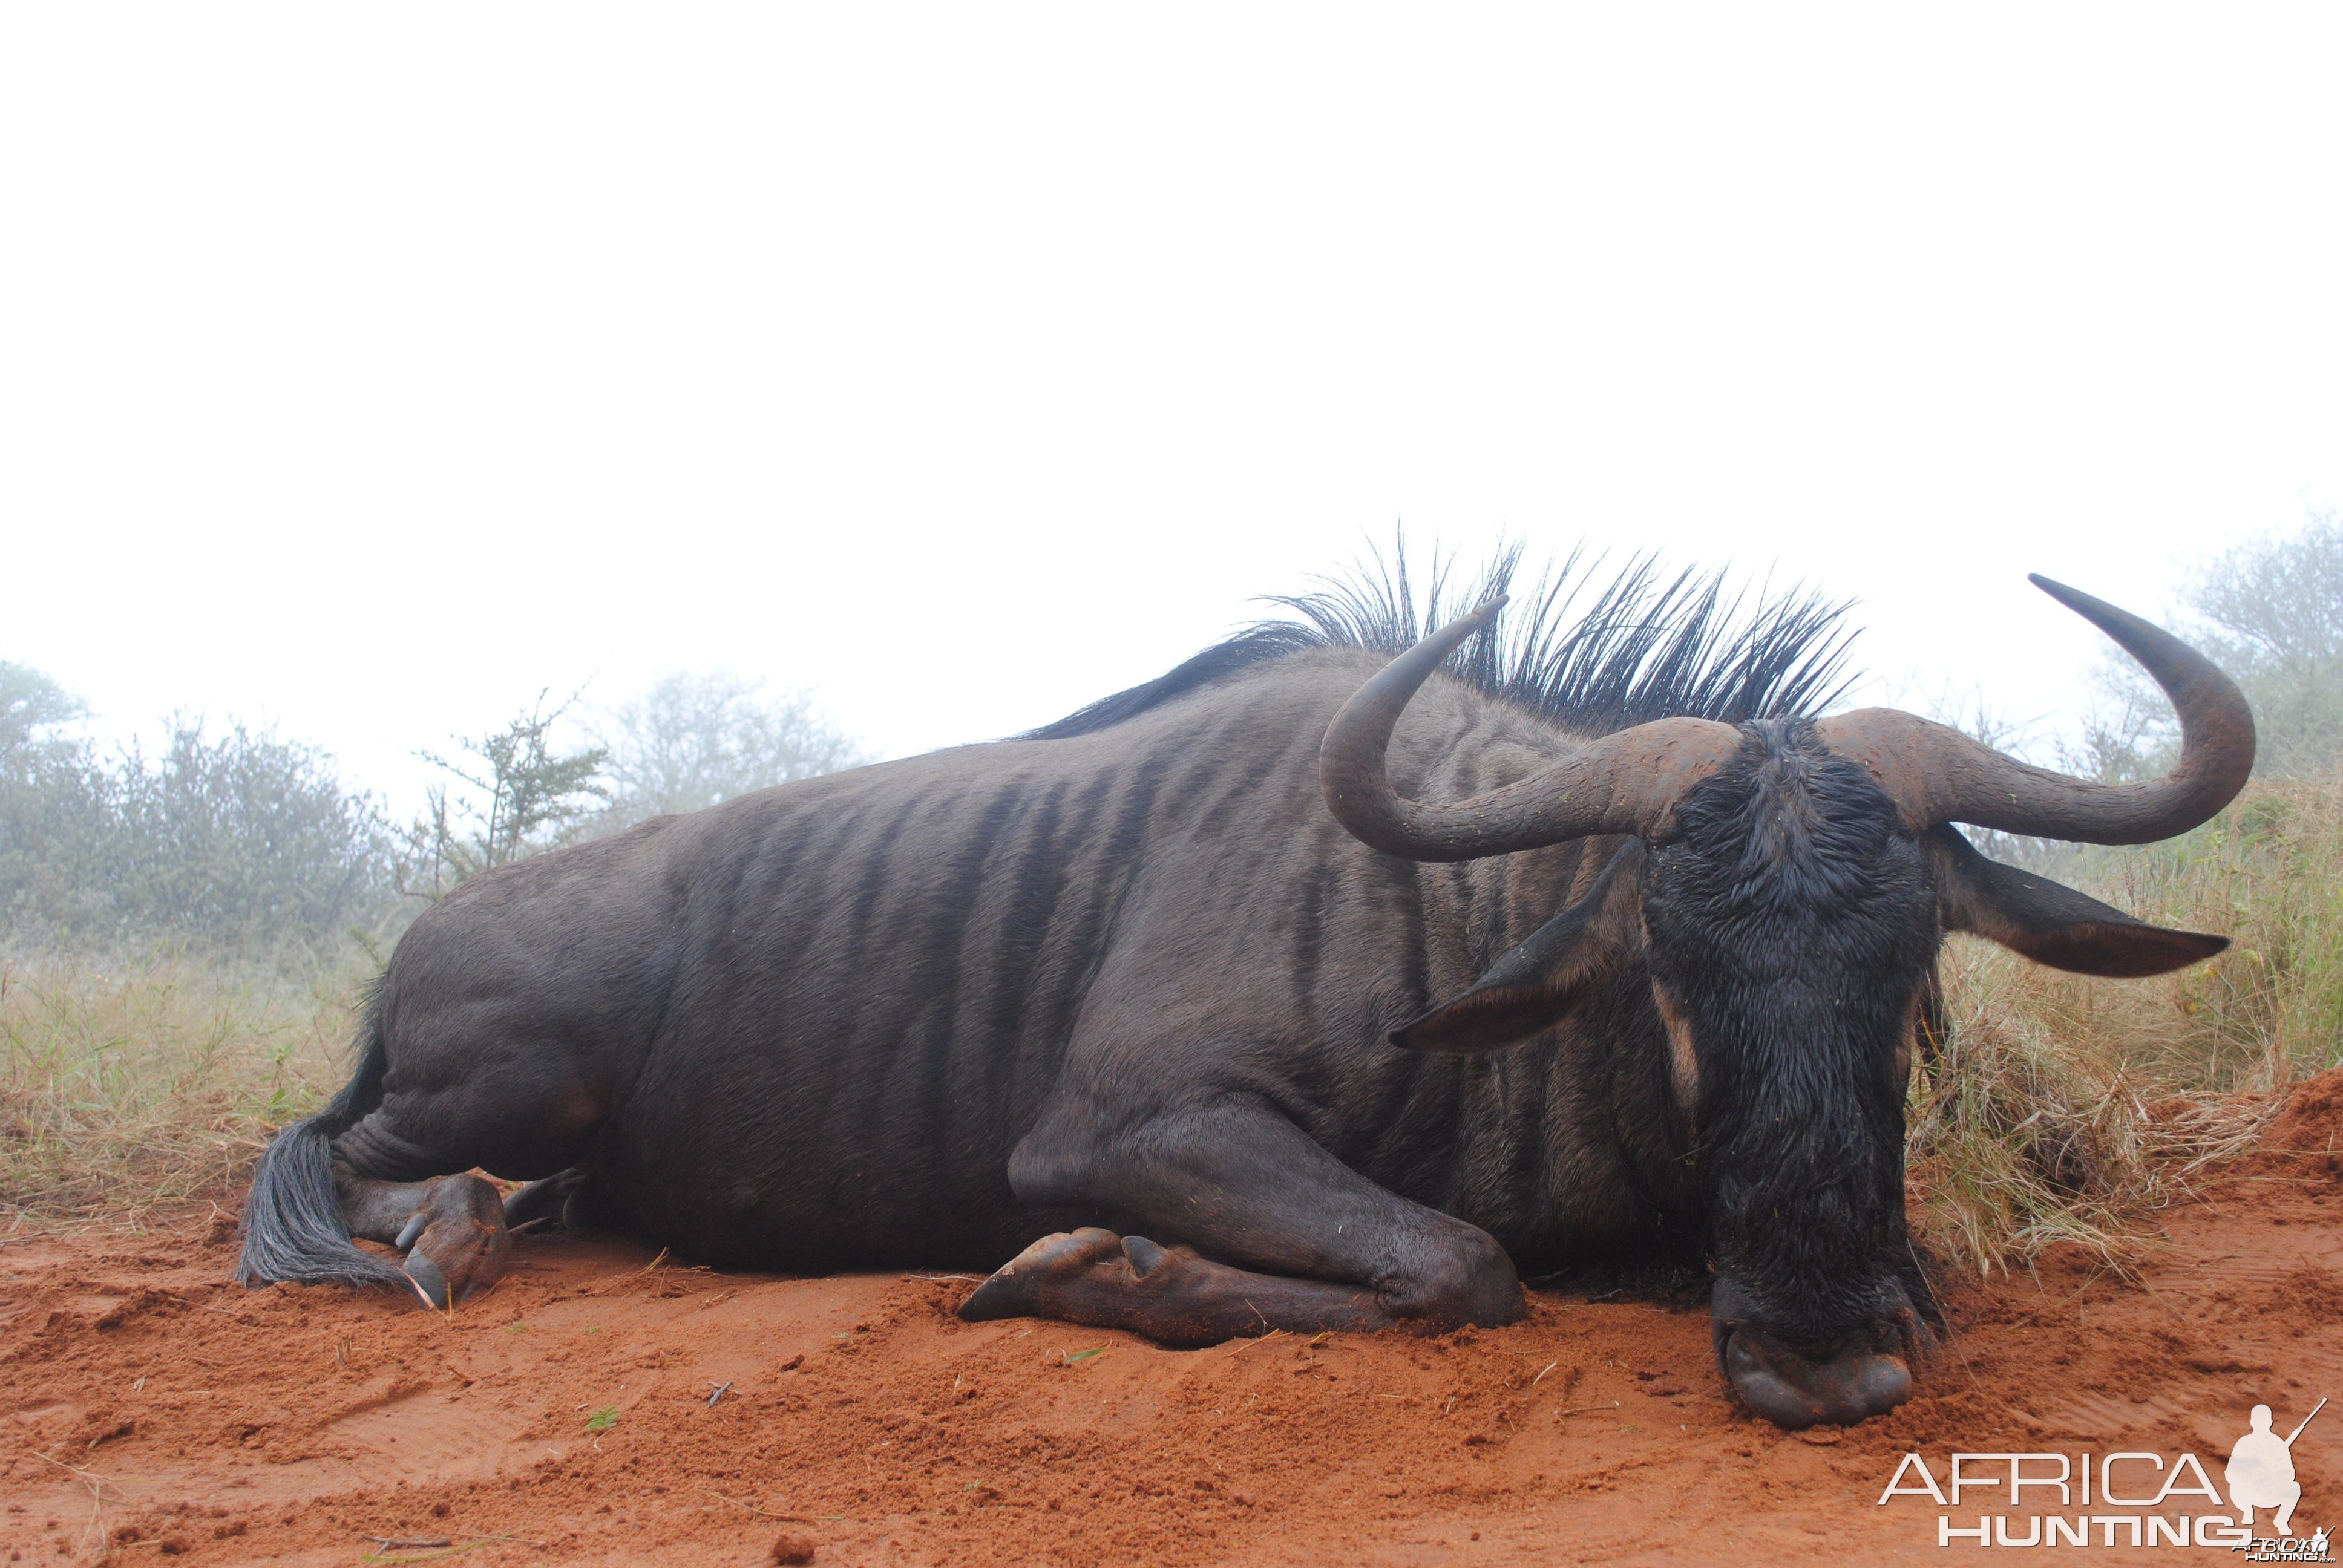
[
  {"x": 1016, "y": 1290},
  {"x": 429, "y": 1282},
  {"x": 459, "y": 1242},
  {"x": 542, "y": 1202}
]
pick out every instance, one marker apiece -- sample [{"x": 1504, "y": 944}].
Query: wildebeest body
[
  {"x": 1376, "y": 987},
  {"x": 810, "y": 1026}
]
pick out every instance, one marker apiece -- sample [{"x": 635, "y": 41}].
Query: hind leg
[
  {"x": 451, "y": 1228},
  {"x": 571, "y": 1200}
]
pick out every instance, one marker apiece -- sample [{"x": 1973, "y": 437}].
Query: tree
[
  {"x": 692, "y": 741},
  {"x": 2274, "y": 611},
  {"x": 246, "y": 840},
  {"x": 519, "y": 796},
  {"x": 30, "y": 701},
  {"x": 244, "y": 843},
  {"x": 2269, "y": 612}
]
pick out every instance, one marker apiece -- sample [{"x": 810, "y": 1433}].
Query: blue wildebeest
[{"x": 1304, "y": 988}]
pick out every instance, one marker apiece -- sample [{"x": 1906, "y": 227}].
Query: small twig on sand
[
  {"x": 766, "y": 1513},
  {"x": 96, "y": 1484},
  {"x": 1540, "y": 1377},
  {"x": 1584, "y": 1409},
  {"x": 88, "y": 1480},
  {"x": 718, "y": 1393},
  {"x": 426, "y": 1552},
  {"x": 1263, "y": 1340},
  {"x": 597, "y": 1287},
  {"x": 410, "y": 1543}
]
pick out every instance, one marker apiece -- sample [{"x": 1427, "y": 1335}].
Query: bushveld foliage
[
  {"x": 514, "y": 795},
  {"x": 251, "y": 849},
  {"x": 693, "y": 740},
  {"x": 2269, "y": 612},
  {"x": 241, "y": 843},
  {"x": 2059, "y": 1107},
  {"x": 181, "y": 936}
]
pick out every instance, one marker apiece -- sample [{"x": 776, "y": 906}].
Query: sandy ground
[{"x": 149, "y": 1410}]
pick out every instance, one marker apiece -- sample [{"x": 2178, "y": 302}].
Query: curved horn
[
  {"x": 1936, "y": 774},
  {"x": 1621, "y": 783}
]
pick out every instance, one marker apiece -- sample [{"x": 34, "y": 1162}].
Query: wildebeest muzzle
[{"x": 1796, "y": 1385}]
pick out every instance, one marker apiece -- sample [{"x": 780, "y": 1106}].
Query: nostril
[{"x": 1886, "y": 1383}]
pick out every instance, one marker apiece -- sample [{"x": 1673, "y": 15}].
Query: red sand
[{"x": 152, "y": 1410}]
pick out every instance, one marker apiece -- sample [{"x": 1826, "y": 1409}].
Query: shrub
[
  {"x": 2269, "y": 612},
  {"x": 243, "y": 843},
  {"x": 515, "y": 796}
]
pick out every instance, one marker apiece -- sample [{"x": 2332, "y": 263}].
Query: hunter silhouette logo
[
  {"x": 2260, "y": 1472},
  {"x": 2126, "y": 1499}
]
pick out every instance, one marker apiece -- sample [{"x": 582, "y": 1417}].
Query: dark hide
[
  {"x": 1538, "y": 982},
  {"x": 927, "y": 1011},
  {"x": 1137, "y": 978}
]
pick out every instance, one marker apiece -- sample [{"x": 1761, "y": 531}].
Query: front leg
[
  {"x": 1296, "y": 1240},
  {"x": 1169, "y": 1295}
]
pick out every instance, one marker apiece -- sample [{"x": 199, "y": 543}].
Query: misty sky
[{"x": 365, "y": 370}]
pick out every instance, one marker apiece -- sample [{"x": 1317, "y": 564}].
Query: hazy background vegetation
[
  {"x": 182, "y": 930},
  {"x": 242, "y": 848}
]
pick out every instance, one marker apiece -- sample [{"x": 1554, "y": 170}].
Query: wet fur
[{"x": 1792, "y": 918}]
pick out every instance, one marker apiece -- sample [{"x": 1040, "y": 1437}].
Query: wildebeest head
[{"x": 1785, "y": 885}]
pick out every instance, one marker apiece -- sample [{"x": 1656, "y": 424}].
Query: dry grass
[
  {"x": 2063, "y": 1107},
  {"x": 2041, "y": 1121},
  {"x": 123, "y": 1087}
]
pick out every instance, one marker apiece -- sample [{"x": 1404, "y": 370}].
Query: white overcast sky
[{"x": 365, "y": 369}]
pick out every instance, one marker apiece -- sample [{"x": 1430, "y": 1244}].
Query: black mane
[{"x": 1648, "y": 646}]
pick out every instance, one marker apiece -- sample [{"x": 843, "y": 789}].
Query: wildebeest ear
[
  {"x": 1536, "y": 982},
  {"x": 2049, "y": 923}
]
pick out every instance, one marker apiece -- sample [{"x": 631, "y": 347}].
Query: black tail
[{"x": 293, "y": 1227}]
